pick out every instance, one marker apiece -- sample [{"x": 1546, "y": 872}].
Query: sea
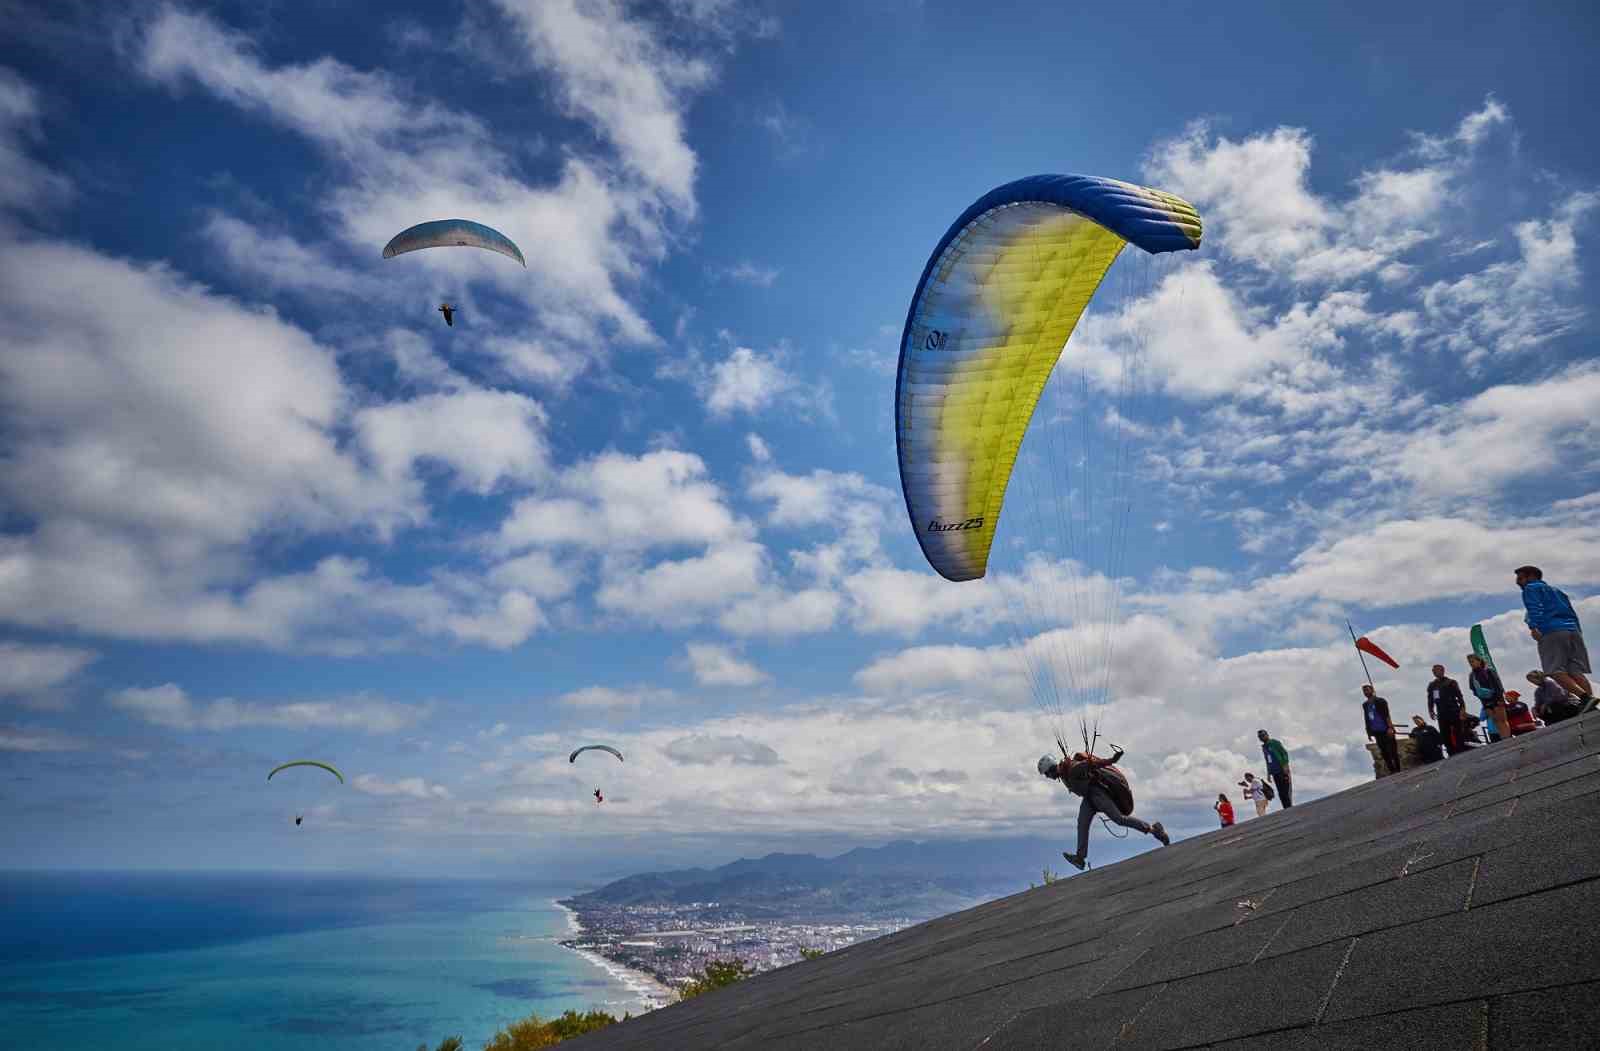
[{"x": 170, "y": 961}]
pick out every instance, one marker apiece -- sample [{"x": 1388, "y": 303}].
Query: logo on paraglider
[
  {"x": 935, "y": 340},
  {"x": 936, "y": 526}
]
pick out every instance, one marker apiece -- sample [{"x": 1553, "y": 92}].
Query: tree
[
  {"x": 811, "y": 954},
  {"x": 449, "y": 1043},
  {"x": 718, "y": 974},
  {"x": 533, "y": 1032}
]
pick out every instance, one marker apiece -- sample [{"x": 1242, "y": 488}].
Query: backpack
[{"x": 1267, "y": 792}]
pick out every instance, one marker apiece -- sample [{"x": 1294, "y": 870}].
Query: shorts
[{"x": 1563, "y": 651}]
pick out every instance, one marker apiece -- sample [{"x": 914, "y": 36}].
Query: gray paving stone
[
  {"x": 1278, "y": 994},
  {"x": 1450, "y": 1027},
  {"x": 1435, "y": 892},
  {"x": 1561, "y": 1019},
  {"x": 1570, "y": 853},
  {"x": 1092, "y": 1023},
  {"x": 1211, "y": 951},
  {"x": 1525, "y": 943}
]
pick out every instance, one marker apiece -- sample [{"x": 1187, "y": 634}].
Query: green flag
[{"x": 1480, "y": 647}]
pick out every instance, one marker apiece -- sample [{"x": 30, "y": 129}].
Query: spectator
[
  {"x": 1550, "y": 701},
  {"x": 1278, "y": 767},
  {"x": 1519, "y": 715},
  {"x": 1380, "y": 727},
  {"x": 1485, "y": 684},
  {"x": 1446, "y": 707},
  {"x": 1553, "y": 623},
  {"x": 1429, "y": 745},
  {"x": 1256, "y": 792},
  {"x": 1224, "y": 809}
]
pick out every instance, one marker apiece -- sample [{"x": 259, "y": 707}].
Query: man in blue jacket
[{"x": 1553, "y": 623}]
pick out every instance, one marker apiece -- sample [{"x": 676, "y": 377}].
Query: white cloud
[
  {"x": 486, "y": 437},
  {"x": 613, "y": 71},
  {"x": 24, "y": 183},
  {"x": 1259, "y": 207},
  {"x": 714, "y": 665},
  {"x": 604, "y": 698},
  {"x": 908, "y": 601},
  {"x": 283, "y": 263},
  {"x": 1514, "y": 306},
  {"x": 411, "y": 787},
  {"x": 745, "y": 272},
  {"x": 706, "y": 750},
  {"x": 169, "y": 705},
  {"x": 679, "y": 592},
  {"x": 775, "y": 612},
  {"x": 745, "y": 381},
  {"x": 1508, "y": 433},
  {"x": 158, "y": 430},
  {"x": 622, "y": 503},
  {"x": 26, "y": 668},
  {"x": 142, "y": 401},
  {"x": 760, "y": 452},
  {"x": 35, "y": 739}
]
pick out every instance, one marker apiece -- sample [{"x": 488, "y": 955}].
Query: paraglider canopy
[
  {"x": 573, "y": 758},
  {"x": 445, "y": 233},
  {"x": 308, "y": 762}
]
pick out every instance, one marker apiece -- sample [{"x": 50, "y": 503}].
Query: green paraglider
[
  {"x": 573, "y": 758},
  {"x": 308, "y": 762}
]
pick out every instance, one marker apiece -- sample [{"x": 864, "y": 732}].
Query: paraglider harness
[{"x": 1107, "y": 776}]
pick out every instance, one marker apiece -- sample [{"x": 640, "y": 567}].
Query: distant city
[{"x": 673, "y": 943}]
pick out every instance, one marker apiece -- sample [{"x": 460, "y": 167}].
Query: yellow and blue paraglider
[{"x": 989, "y": 320}]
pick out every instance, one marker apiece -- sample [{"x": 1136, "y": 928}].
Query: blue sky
[{"x": 259, "y": 503}]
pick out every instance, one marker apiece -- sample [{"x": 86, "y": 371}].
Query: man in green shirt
[{"x": 1277, "y": 758}]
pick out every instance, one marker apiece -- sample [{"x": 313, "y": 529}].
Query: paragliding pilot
[
  {"x": 1104, "y": 790},
  {"x": 598, "y": 798},
  {"x": 297, "y": 819},
  {"x": 449, "y": 313}
]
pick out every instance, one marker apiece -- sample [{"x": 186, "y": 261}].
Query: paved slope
[{"x": 1451, "y": 906}]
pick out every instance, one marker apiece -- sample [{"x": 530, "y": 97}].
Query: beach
[{"x": 651, "y": 992}]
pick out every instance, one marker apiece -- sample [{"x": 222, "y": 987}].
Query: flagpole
[{"x": 1359, "y": 653}]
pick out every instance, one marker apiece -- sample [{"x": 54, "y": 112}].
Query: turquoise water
[{"x": 398, "y": 965}]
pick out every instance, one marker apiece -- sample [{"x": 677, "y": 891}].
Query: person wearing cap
[
  {"x": 1553, "y": 623},
  {"x": 1095, "y": 780},
  {"x": 1277, "y": 757}
]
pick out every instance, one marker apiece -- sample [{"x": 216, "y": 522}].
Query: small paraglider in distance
[
  {"x": 298, "y": 818},
  {"x": 452, "y": 233},
  {"x": 573, "y": 758}
]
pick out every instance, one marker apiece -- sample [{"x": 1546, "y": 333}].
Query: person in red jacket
[{"x": 1224, "y": 809}]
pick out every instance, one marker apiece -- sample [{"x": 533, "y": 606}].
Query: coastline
[{"x": 650, "y": 992}]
